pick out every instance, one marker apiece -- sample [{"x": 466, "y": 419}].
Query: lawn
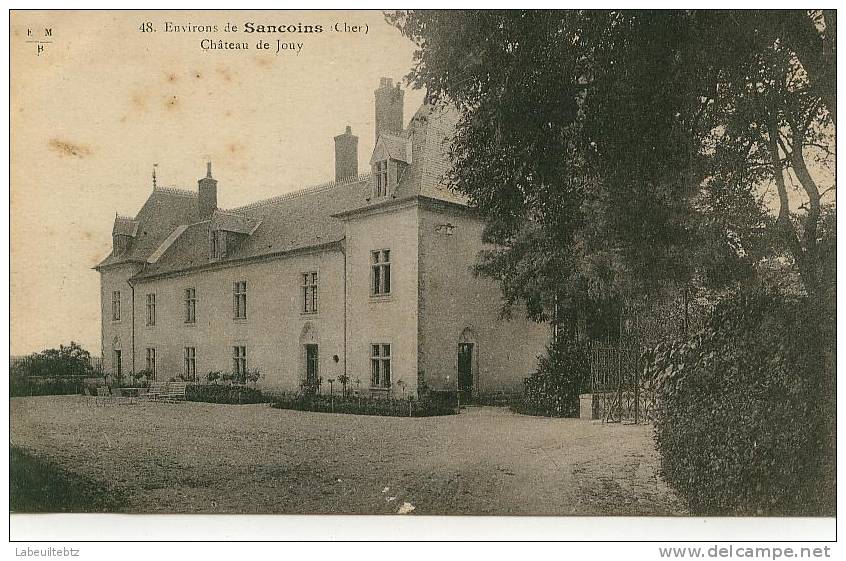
[{"x": 208, "y": 458}]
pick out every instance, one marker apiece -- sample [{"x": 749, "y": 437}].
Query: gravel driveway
[{"x": 206, "y": 458}]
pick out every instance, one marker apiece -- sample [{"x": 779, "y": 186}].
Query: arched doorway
[
  {"x": 117, "y": 358},
  {"x": 468, "y": 351}
]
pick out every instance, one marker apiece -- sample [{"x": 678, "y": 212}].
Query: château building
[{"x": 369, "y": 275}]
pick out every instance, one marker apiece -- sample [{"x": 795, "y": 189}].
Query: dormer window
[
  {"x": 227, "y": 231},
  {"x": 380, "y": 173},
  {"x": 217, "y": 241},
  {"x": 390, "y": 158}
]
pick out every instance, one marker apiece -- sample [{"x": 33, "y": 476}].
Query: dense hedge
[
  {"x": 224, "y": 393},
  {"x": 553, "y": 390},
  {"x": 745, "y": 418},
  {"x": 364, "y": 406},
  {"x": 22, "y": 387}
]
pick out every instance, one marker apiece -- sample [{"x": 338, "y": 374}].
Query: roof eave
[
  {"x": 388, "y": 203},
  {"x": 238, "y": 261}
]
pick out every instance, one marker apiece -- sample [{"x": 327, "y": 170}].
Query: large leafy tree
[{"x": 615, "y": 152}]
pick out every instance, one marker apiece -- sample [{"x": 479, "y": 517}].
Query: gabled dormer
[
  {"x": 390, "y": 160},
  {"x": 123, "y": 234},
  {"x": 227, "y": 231}
]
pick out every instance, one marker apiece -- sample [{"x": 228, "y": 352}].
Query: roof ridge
[
  {"x": 304, "y": 191},
  {"x": 175, "y": 191},
  {"x": 231, "y": 213}
]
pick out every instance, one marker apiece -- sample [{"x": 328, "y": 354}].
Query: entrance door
[
  {"x": 312, "y": 371},
  {"x": 465, "y": 371}
]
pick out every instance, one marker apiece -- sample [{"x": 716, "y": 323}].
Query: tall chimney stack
[
  {"x": 389, "y": 101},
  {"x": 208, "y": 194},
  {"x": 346, "y": 155}
]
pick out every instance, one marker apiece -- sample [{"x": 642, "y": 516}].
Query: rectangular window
[
  {"x": 117, "y": 367},
  {"x": 309, "y": 291},
  {"x": 218, "y": 244},
  {"x": 381, "y": 174},
  {"x": 380, "y": 365},
  {"x": 116, "y": 305},
  {"x": 190, "y": 305},
  {"x": 189, "y": 370},
  {"x": 239, "y": 360},
  {"x": 240, "y": 300},
  {"x": 151, "y": 309},
  {"x": 151, "y": 360},
  {"x": 380, "y": 272}
]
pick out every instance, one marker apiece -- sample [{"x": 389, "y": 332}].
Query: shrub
[
  {"x": 553, "y": 390},
  {"x": 213, "y": 376},
  {"x": 65, "y": 362},
  {"x": 252, "y": 376},
  {"x": 408, "y": 407},
  {"x": 227, "y": 394},
  {"x": 142, "y": 378},
  {"x": 745, "y": 416}
]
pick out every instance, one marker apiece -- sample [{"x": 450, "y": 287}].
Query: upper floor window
[
  {"x": 309, "y": 291},
  {"x": 116, "y": 305},
  {"x": 381, "y": 177},
  {"x": 380, "y": 366},
  {"x": 240, "y": 300},
  {"x": 380, "y": 272},
  {"x": 190, "y": 305},
  {"x": 151, "y": 309}
]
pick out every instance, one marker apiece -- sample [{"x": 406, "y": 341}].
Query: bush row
[
  {"x": 218, "y": 393},
  {"x": 363, "y": 405}
]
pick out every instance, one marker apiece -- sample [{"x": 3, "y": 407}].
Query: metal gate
[{"x": 618, "y": 393}]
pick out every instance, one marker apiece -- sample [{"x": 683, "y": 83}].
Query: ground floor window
[
  {"x": 380, "y": 365},
  {"x": 239, "y": 360},
  {"x": 190, "y": 367},
  {"x": 117, "y": 367},
  {"x": 151, "y": 361}
]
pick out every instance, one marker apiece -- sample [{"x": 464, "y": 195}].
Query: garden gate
[{"x": 618, "y": 393}]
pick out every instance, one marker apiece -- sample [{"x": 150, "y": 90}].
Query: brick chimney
[
  {"x": 346, "y": 155},
  {"x": 208, "y": 194},
  {"x": 389, "y": 101}
]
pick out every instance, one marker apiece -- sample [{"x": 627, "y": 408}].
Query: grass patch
[{"x": 39, "y": 486}]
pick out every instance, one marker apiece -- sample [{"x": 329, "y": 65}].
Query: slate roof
[
  {"x": 164, "y": 210},
  {"x": 290, "y": 222},
  {"x": 125, "y": 226},
  {"x": 171, "y": 237}
]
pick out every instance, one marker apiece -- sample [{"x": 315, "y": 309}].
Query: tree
[
  {"x": 66, "y": 361},
  {"x": 616, "y": 152}
]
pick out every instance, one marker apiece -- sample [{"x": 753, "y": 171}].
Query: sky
[{"x": 104, "y": 101}]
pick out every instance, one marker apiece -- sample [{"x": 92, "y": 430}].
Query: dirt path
[{"x": 195, "y": 457}]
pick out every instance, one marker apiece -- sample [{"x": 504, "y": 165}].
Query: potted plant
[{"x": 344, "y": 380}]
